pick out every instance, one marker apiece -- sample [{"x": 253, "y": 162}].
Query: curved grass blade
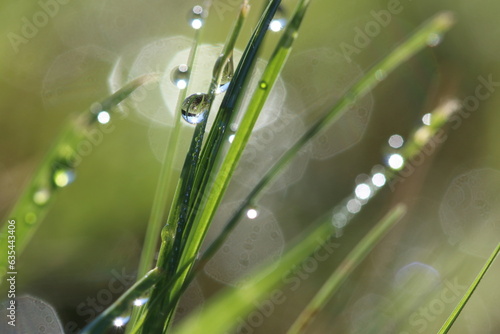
[
  {"x": 421, "y": 137},
  {"x": 211, "y": 150},
  {"x": 105, "y": 320},
  {"x": 57, "y": 168},
  {"x": 231, "y": 304},
  {"x": 458, "y": 309},
  {"x": 165, "y": 180},
  {"x": 351, "y": 262}
]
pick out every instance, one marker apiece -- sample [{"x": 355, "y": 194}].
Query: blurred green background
[{"x": 96, "y": 227}]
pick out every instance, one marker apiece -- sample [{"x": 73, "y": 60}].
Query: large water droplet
[
  {"x": 180, "y": 76},
  {"x": 197, "y": 17},
  {"x": 227, "y": 73},
  {"x": 279, "y": 21},
  {"x": 63, "y": 177},
  {"x": 195, "y": 108}
]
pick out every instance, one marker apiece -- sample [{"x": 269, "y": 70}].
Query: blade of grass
[
  {"x": 231, "y": 304},
  {"x": 40, "y": 193},
  {"x": 173, "y": 231},
  {"x": 422, "y": 136},
  {"x": 458, "y": 309},
  {"x": 211, "y": 150},
  {"x": 165, "y": 181},
  {"x": 123, "y": 304},
  {"x": 351, "y": 262}
]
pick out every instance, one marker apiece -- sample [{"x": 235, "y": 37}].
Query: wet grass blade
[
  {"x": 351, "y": 262},
  {"x": 123, "y": 304},
  {"x": 231, "y": 304},
  {"x": 421, "y": 137},
  {"x": 458, "y": 309},
  {"x": 58, "y": 167},
  {"x": 211, "y": 150}
]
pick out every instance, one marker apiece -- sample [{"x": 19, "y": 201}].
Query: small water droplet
[
  {"x": 354, "y": 206},
  {"x": 121, "y": 321},
  {"x": 426, "y": 119},
  {"x": 195, "y": 108},
  {"x": 380, "y": 75},
  {"x": 226, "y": 74},
  {"x": 263, "y": 85},
  {"x": 252, "y": 213},
  {"x": 395, "y": 161},
  {"x": 140, "y": 301},
  {"x": 363, "y": 191},
  {"x": 279, "y": 21},
  {"x": 180, "y": 76},
  {"x": 63, "y": 177},
  {"x": 379, "y": 180},
  {"x": 41, "y": 196},
  {"x": 230, "y": 138},
  {"x": 396, "y": 141},
  {"x": 434, "y": 40},
  {"x": 103, "y": 117},
  {"x": 30, "y": 218},
  {"x": 197, "y": 17}
]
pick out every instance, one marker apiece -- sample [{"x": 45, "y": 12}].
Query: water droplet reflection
[
  {"x": 180, "y": 76},
  {"x": 434, "y": 40},
  {"x": 378, "y": 180},
  {"x": 395, "y": 161},
  {"x": 426, "y": 119},
  {"x": 363, "y": 191},
  {"x": 195, "y": 108},
  {"x": 197, "y": 17},
  {"x": 279, "y": 21},
  {"x": 120, "y": 321},
  {"x": 41, "y": 196},
  {"x": 103, "y": 117},
  {"x": 63, "y": 177},
  {"x": 252, "y": 214},
  {"x": 396, "y": 141}
]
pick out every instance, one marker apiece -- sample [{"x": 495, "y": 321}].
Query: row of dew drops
[
  {"x": 368, "y": 185},
  {"x": 195, "y": 107}
]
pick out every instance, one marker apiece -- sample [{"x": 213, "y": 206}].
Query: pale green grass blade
[
  {"x": 57, "y": 169},
  {"x": 123, "y": 304},
  {"x": 419, "y": 139},
  {"x": 458, "y": 309},
  {"x": 231, "y": 304},
  {"x": 351, "y": 262}
]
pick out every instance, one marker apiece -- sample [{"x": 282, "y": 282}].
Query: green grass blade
[
  {"x": 61, "y": 160},
  {"x": 231, "y": 304},
  {"x": 417, "y": 141},
  {"x": 351, "y": 262},
  {"x": 217, "y": 134},
  {"x": 458, "y": 309},
  {"x": 123, "y": 304}
]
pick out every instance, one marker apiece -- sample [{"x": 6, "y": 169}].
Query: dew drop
[
  {"x": 230, "y": 138},
  {"x": 279, "y": 21},
  {"x": 354, "y": 206},
  {"x": 103, "y": 117},
  {"x": 395, "y": 161},
  {"x": 363, "y": 191},
  {"x": 263, "y": 85},
  {"x": 434, "y": 40},
  {"x": 180, "y": 76},
  {"x": 140, "y": 301},
  {"x": 30, "y": 218},
  {"x": 41, "y": 196},
  {"x": 380, "y": 75},
  {"x": 120, "y": 321},
  {"x": 252, "y": 213},
  {"x": 396, "y": 141},
  {"x": 195, "y": 108},
  {"x": 378, "y": 180},
  {"x": 426, "y": 119},
  {"x": 227, "y": 73},
  {"x": 197, "y": 17},
  {"x": 63, "y": 177}
]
